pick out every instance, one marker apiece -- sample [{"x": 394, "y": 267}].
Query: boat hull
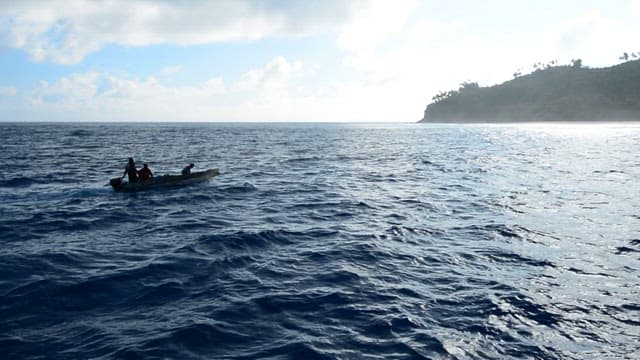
[{"x": 163, "y": 181}]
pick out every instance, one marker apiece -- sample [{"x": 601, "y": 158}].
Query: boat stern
[{"x": 116, "y": 183}]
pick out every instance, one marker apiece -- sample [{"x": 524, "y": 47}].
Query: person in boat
[
  {"x": 130, "y": 170},
  {"x": 145, "y": 173},
  {"x": 187, "y": 169}
]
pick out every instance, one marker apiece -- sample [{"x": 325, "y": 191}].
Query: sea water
[{"x": 328, "y": 241}]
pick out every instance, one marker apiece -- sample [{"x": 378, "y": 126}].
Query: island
[{"x": 550, "y": 93}]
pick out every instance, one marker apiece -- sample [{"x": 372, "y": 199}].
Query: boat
[{"x": 163, "y": 181}]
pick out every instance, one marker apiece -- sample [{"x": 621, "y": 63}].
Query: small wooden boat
[{"x": 163, "y": 181}]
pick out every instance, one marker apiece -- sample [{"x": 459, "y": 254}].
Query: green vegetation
[{"x": 550, "y": 93}]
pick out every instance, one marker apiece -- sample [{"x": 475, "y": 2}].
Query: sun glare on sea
[{"x": 585, "y": 129}]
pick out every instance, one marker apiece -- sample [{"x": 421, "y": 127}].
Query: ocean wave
[
  {"x": 19, "y": 182},
  {"x": 257, "y": 240},
  {"x": 244, "y": 188}
]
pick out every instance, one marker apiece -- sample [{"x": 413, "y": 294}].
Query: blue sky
[{"x": 248, "y": 60}]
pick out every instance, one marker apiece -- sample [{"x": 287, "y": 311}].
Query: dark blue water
[{"x": 322, "y": 241}]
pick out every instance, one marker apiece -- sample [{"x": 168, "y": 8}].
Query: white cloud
[
  {"x": 397, "y": 51},
  {"x": 105, "y": 96},
  {"x": 93, "y": 88},
  {"x": 273, "y": 77},
  {"x": 269, "y": 93},
  {"x": 77, "y": 86},
  {"x": 598, "y": 39},
  {"x": 215, "y": 86},
  {"x": 375, "y": 26},
  {"x": 8, "y": 91},
  {"x": 65, "y": 34},
  {"x": 108, "y": 97}
]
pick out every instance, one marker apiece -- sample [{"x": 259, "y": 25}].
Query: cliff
[{"x": 558, "y": 93}]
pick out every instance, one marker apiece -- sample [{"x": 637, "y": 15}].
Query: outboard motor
[{"x": 115, "y": 183}]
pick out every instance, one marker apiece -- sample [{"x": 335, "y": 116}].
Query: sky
[{"x": 279, "y": 60}]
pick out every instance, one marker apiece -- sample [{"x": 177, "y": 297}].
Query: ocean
[{"x": 321, "y": 241}]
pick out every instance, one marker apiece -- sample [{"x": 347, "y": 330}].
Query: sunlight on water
[{"x": 584, "y": 129}]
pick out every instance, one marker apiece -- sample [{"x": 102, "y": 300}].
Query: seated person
[
  {"x": 187, "y": 169},
  {"x": 144, "y": 173}
]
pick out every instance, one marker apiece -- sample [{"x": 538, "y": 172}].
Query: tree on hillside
[
  {"x": 443, "y": 95},
  {"x": 576, "y": 63},
  {"x": 468, "y": 85}
]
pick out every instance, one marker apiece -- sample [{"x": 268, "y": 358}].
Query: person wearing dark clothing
[
  {"x": 130, "y": 170},
  {"x": 187, "y": 169},
  {"x": 145, "y": 173}
]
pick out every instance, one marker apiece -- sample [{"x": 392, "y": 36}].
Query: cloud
[
  {"x": 267, "y": 93},
  {"x": 74, "y": 88},
  {"x": 404, "y": 56},
  {"x": 598, "y": 39},
  {"x": 399, "y": 53},
  {"x": 92, "y": 88},
  {"x": 8, "y": 91},
  {"x": 274, "y": 76},
  {"x": 261, "y": 93},
  {"x": 104, "y": 96},
  {"x": 375, "y": 24},
  {"x": 66, "y": 34}
]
